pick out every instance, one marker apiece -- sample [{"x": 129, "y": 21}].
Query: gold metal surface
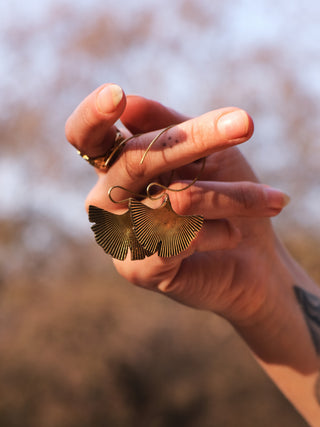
[
  {"x": 105, "y": 161},
  {"x": 114, "y": 233},
  {"x": 162, "y": 230}
]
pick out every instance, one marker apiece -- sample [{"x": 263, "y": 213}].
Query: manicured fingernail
[
  {"x": 234, "y": 125},
  {"x": 109, "y": 98},
  {"x": 276, "y": 199}
]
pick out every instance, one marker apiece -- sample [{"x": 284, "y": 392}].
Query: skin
[
  {"x": 236, "y": 267},
  {"x": 215, "y": 197}
]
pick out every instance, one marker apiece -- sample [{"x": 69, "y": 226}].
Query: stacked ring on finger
[
  {"x": 105, "y": 161},
  {"x": 113, "y": 153}
]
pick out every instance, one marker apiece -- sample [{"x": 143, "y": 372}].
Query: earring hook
[
  {"x": 176, "y": 190},
  {"x": 119, "y": 202},
  {"x": 154, "y": 140}
]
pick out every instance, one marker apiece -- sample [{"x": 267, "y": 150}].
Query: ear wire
[
  {"x": 154, "y": 140},
  {"x": 176, "y": 190},
  {"x": 118, "y": 148},
  {"x": 124, "y": 189}
]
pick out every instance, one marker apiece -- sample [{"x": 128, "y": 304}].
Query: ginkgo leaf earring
[
  {"x": 114, "y": 233},
  {"x": 162, "y": 230},
  {"x": 143, "y": 230}
]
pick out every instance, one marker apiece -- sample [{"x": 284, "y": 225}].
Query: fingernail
[
  {"x": 276, "y": 199},
  {"x": 286, "y": 199},
  {"x": 109, "y": 98},
  {"x": 234, "y": 125}
]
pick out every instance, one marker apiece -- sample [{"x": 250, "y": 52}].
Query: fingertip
[
  {"x": 109, "y": 98},
  {"x": 276, "y": 199},
  {"x": 90, "y": 126},
  {"x": 235, "y": 125}
]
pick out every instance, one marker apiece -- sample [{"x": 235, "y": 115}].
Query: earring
[
  {"x": 114, "y": 233},
  {"x": 143, "y": 230},
  {"x": 162, "y": 230}
]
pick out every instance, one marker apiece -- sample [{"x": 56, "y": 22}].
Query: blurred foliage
[
  {"x": 78, "y": 345},
  {"x": 81, "y": 347}
]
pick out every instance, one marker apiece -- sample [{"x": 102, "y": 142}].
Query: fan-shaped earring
[
  {"x": 114, "y": 233},
  {"x": 162, "y": 230},
  {"x": 143, "y": 230}
]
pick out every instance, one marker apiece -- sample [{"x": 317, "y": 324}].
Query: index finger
[{"x": 180, "y": 145}]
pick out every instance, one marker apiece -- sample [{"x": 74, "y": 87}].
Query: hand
[{"x": 224, "y": 268}]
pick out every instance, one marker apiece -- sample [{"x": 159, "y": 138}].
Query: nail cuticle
[
  {"x": 234, "y": 125},
  {"x": 109, "y": 98}
]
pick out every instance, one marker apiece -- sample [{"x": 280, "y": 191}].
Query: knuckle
[
  {"x": 182, "y": 200},
  {"x": 196, "y": 136},
  {"x": 131, "y": 161},
  {"x": 246, "y": 196},
  {"x": 201, "y": 137},
  {"x": 233, "y": 236}
]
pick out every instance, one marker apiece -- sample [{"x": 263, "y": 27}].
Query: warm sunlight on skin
[
  {"x": 79, "y": 344},
  {"x": 251, "y": 281}
]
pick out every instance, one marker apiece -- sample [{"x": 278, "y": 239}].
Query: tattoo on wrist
[
  {"x": 310, "y": 305},
  {"x": 317, "y": 389}
]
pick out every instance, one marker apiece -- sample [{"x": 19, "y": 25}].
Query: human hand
[{"x": 224, "y": 268}]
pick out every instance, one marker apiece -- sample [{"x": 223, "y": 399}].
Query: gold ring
[{"x": 107, "y": 160}]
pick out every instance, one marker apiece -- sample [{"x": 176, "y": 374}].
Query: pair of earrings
[{"x": 144, "y": 230}]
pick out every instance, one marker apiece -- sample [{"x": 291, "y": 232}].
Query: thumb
[{"x": 90, "y": 127}]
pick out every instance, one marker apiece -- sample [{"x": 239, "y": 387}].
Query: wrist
[{"x": 273, "y": 330}]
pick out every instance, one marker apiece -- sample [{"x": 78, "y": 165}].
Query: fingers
[
  {"x": 89, "y": 128},
  {"x": 144, "y": 115},
  {"x": 214, "y": 236},
  {"x": 227, "y": 200},
  {"x": 189, "y": 141},
  {"x": 178, "y": 146},
  {"x": 212, "y": 200}
]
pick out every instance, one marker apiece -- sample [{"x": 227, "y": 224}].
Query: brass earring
[
  {"x": 162, "y": 230},
  {"x": 114, "y": 233},
  {"x": 143, "y": 230}
]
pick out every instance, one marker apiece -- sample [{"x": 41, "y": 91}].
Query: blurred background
[{"x": 78, "y": 345}]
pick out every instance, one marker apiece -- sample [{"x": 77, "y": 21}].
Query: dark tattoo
[
  {"x": 310, "y": 305},
  {"x": 317, "y": 389}
]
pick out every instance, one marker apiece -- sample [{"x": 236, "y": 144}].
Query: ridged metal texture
[
  {"x": 162, "y": 230},
  {"x": 144, "y": 230},
  {"x": 114, "y": 233}
]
